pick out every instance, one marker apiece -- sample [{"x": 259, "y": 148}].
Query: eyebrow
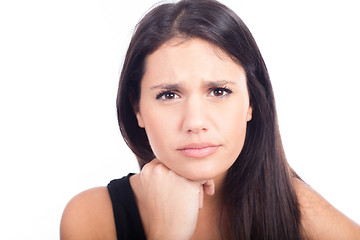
[
  {"x": 220, "y": 83},
  {"x": 210, "y": 84},
  {"x": 167, "y": 86}
]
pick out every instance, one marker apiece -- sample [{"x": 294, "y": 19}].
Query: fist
[{"x": 171, "y": 201}]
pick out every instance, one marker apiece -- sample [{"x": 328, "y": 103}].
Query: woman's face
[{"x": 194, "y": 106}]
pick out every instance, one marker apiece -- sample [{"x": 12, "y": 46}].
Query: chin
[{"x": 199, "y": 174}]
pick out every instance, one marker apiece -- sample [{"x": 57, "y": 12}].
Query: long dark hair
[{"x": 259, "y": 201}]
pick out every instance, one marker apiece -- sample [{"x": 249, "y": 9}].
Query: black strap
[{"x": 126, "y": 214}]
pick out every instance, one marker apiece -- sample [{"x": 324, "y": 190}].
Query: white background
[{"x": 59, "y": 68}]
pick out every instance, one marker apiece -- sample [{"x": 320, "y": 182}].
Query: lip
[{"x": 198, "y": 150}]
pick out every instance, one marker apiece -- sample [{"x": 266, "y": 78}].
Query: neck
[{"x": 208, "y": 223}]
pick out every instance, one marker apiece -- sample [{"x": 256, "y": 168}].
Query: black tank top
[{"x": 126, "y": 214}]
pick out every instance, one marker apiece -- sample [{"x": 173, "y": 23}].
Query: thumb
[{"x": 209, "y": 187}]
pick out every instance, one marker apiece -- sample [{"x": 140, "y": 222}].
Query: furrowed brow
[
  {"x": 166, "y": 86},
  {"x": 215, "y": 84}
]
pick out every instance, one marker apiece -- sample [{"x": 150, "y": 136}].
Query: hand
[{"x": 171, "y": 201}]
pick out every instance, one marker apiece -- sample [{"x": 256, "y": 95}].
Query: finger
[{"x": 209, "y": 187}]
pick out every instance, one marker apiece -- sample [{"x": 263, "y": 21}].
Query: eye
[
  {"x": 220, "y": 92},
  {"x": 167, "y": 95}
]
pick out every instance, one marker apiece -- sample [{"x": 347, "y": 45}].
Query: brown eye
[
  {"x": 168, "y": 95},
  {"x": 220, "y": 92}
]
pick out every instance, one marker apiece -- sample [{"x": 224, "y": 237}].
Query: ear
[
  {"x": 139, "y": 119},
  {"x": 249, "y": 113},
  {"x": 136, "y": 108}
]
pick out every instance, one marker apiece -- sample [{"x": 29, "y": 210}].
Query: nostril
[{"x": 196, "y": 129}]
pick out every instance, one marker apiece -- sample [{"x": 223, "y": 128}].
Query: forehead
[
  {"x": 178, "y": 45},
  {"x": 194, "y": 57}
]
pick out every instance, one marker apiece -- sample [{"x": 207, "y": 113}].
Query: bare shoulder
[
  {"x": 320, "y": 219},
  {"x": 88, "y": 215}
]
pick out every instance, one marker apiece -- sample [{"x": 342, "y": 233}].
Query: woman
[{"x": 196, "y": 106}]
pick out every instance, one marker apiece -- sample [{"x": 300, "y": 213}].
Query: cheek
[
  {"x": 160, "y": 130},
  {"x": 232, "y": 117},
  {"x": 234, "y": 129}
]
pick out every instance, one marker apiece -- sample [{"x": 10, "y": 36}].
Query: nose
[{"x": 195, "y": 119}]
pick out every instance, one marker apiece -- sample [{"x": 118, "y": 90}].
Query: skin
[{"x": 196, "y": 128}]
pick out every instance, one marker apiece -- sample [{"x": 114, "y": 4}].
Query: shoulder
[
  {"x": 88, "y": 215},
  {"x": 320, "y": 220}
]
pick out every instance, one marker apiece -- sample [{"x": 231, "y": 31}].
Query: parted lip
[{"x": 198, "y": 146}]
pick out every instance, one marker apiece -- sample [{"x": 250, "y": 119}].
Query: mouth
[{"x": 198, "y": 150}]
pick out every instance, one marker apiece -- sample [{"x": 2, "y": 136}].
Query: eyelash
[
  {"x": 227, "y": 91},
  {"x": 163, "y": 94}
]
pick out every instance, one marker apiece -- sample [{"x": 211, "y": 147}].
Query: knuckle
[
  {"x": 160, "y": 169},
  {"x": 145, "y": 171}
]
